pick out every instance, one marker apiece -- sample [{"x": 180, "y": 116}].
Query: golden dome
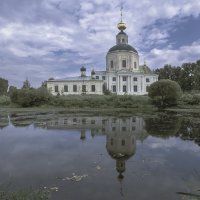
[{"x": 121, "y": 26}]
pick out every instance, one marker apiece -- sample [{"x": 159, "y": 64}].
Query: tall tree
[
  {"x": 186, "y": 79},
  {"x": 197, "y": 76},
  {"x": 26, "y": 84},
  {"x": 3, "y": 86}
]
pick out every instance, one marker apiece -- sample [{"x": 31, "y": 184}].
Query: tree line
[{"x": 187, "y": 75}]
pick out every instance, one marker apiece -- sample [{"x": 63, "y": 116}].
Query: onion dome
[
  {"x": 83, "y": 69},
  {"x": 92, "y": 72},
  {"x": 125, "y": 47},
  {"x": 121, "y": 26}
]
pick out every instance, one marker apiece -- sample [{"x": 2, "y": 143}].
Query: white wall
[{"x": 98, "y": 87}]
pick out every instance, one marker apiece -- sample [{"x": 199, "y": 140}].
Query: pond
[{"x": 81, "y": 156}]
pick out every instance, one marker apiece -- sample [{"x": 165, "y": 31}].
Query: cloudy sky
[{"x": 40, "y": 39}]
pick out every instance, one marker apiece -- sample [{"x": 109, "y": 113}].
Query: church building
[{"x": 123, "y": 74}]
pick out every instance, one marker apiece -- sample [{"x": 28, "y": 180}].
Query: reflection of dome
[
  {"x": 120, "y": 146},
  {"x": 82, "y": 137},
  {"x": 120, "y": 177}
]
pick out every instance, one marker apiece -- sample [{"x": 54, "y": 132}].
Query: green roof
[{"x": 145, "y": 69}]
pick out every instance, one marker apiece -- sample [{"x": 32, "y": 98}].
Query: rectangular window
[
  {"x": 113, "y": 128},
  {"x": 124, "y": 78},
  {"x": 111, "y": 64},
  {"x": 114, "y": 79},
  {"x": 83, "y": 88},
  {"x": 56, "y": 88},
  {"x": 124, "y": 88},
  {"x": 65, "y": 88},
  {"x": 97, "y": 77},
  {"x": 135, "y": 88},
  {"x": 92, "y": 121},
  {"x": 123, "y": 142},
  {"x": 147, "y": 80},
  {"x": 114, "y": 88},
  {"x": 135, "y": 79},
  {"x": 135, "y": 65},
  {"x": 93, "y": 88},
  {"x": 124, "y": 63},
  {"x": 74, "y": 88},
  {"x": 147, "y": 88},
  {"x": 103, "y": 77},
  {"x": 124, "y": 128}
]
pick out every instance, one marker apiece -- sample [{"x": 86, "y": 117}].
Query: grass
[
  {"x": 25, "y": 195},
  {"x": 98, "y": 104},
  {"x": 110, "y": 105}
]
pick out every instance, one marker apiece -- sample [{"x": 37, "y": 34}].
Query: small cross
[{"x": 121, "y": 11}]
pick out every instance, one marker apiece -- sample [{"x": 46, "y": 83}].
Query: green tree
[
  {"x": 197, "y": 76},
  {"x": 11, "y": 89},
  {"x": 164, "y": 93},
  {"x": 188, "y": 75},
  {"x": 186, "y": 79},
  {"x": 3, "y": 86},
  {"x": 44, "y": 84},
  {"x": 168, "y": 72},
  {"x": 26, "y": 84},
  {"x": 32, "y": 97}
]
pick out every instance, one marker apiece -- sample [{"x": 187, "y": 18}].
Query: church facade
[{"x": 123, "y": 74}]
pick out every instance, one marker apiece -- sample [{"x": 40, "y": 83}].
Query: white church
[{"x": 123, "y": 73}]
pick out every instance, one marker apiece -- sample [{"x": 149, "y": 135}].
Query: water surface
[{"x": 130, "y": 157}]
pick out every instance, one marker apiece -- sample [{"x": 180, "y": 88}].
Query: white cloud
[
  {"x": 188, "y": 146},
  {"x": 174, "y": 56},
  {"x": 84, "y": 31}
]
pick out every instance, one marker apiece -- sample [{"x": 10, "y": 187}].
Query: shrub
[
  {"x": 165, "y": 93},
  {"x": 191, "y": 99},
  {"x": 4, "y": 100},
  {"x": 30, "y": 97},
  {"x": 107, "y": 92}
]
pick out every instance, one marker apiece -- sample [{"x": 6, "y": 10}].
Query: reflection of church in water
[{"x": 121, "y": 134}]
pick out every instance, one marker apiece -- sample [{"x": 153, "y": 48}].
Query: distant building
[{"x": 123, "y": 73}]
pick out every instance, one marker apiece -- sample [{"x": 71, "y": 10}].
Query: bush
[
  {"x": 165, "y": 93},
  {"x": 107, "y": 92},
  {"x": 30, "y": 97},
  {"x": 4, "y": 100},
  {"x": 191, "y": 99}
]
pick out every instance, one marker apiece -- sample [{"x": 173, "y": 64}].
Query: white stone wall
[
  {"x": 141, "y": 82},
  {"x": 122, "y": 39},
  {"x": 117, "y": 58},
  {"x": 98, "y": 87}
]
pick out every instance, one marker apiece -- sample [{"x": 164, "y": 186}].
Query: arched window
[
  {"x": 123, "y": 40},
  {"x": 111, "y": 64},
  {"x": 124, "y": 63},
  {"x": 135, "y": 65}
]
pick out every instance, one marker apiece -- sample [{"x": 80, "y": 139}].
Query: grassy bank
[
  {"x": 91, "y": 104},
  {"x": 106, "y": 104}
]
